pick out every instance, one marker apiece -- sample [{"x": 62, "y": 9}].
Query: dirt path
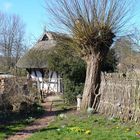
[{"x": 37, "y": 125}]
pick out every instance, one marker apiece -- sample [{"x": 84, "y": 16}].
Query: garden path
[{"x": 37, "y": 124}]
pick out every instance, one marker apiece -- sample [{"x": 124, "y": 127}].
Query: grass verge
[
  {"x": 14, "y": 122},
  {"x": 87, "y": 127}
]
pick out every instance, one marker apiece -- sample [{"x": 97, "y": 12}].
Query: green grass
[
  {"x": 6, "y": 130},
  {"x": 14, "y": 122},
  {"x": 75, "y": 127},
  {"x": 11, "y": 128}
]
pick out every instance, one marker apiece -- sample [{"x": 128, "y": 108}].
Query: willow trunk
[{"x": 92, "y": 83}]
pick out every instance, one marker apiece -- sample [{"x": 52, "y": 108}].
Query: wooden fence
[{"x": 120, "y": 96}]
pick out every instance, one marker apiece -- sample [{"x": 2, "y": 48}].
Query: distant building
[{"x": 35, "y": 62}]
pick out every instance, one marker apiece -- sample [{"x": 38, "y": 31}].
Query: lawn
[
  {"x": 12, "y": 127},
  {"x": 14, "y": 122},
  {"x": 6, "y": 130},
  {"x": 87, "y": 127}
]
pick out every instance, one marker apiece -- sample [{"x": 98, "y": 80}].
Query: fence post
[{"x": 79, "y": 99}]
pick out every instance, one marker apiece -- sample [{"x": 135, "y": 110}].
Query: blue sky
[
  {"x": 31, "y": 12},
  {"x": 35, "y": 17}
]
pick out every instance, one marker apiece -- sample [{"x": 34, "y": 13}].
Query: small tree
[{"x": 92, "y": 25}]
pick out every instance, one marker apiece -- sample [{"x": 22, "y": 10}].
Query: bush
[
  {"x": 33, "y": 109},
  {"x": 71, "y": 90},
  {"x": 24, "y": 108},
  {"x": 14, "y": 99},
  {"x": 7, "y": 107}
]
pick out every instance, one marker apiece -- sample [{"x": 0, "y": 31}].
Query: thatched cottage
[{"x": 35, "y": 62}]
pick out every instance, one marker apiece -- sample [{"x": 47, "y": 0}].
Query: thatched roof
[{"x": 36, "y": 57}]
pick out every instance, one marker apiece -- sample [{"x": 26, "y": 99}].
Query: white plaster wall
[{"x": 53, "y": 84}]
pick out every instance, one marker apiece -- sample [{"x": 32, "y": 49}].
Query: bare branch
[
  {"x": 11, "y": 38},
  {"x": 89, "y": 21}
]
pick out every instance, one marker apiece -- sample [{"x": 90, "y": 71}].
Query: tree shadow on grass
[
  {"x": 57, "y": 112},
  {"x": 13, "y": 124},
  {"x": 36, "y": 130},
  {"x": 49, "y": 129},
  {"x": 11, "y": 129},
  {"x": 13, "y": 118}
]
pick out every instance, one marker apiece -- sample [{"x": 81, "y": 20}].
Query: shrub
[
  {"x": 71, "y": 90},
  {"x": 33, "y": 109}
]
